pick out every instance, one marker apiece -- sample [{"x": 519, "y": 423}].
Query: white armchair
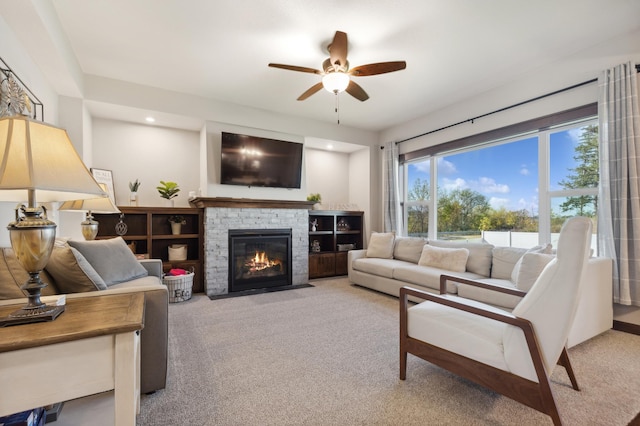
[{"x": 512, "y": 353}]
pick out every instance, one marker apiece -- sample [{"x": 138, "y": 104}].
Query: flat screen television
[{"x": 256, "y": 161}]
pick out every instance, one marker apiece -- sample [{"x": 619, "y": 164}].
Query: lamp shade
[
  {"x": 38, "y": 157},
  {"x": 94, "y": 205}
]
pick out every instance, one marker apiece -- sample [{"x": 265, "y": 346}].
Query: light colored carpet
[{"x": 328, "y": 355}]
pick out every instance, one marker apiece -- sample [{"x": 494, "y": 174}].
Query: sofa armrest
[
  {"x": 351, "y": 256},
  {"x": 153, "y": 266},
  {"x": 444, "y": 278}
]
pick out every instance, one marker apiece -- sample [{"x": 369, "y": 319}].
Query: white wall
[
  {"x": 360, "y": 185},
  {"x": 328, "y": 175},
  {"x": 150, "y": 154}
]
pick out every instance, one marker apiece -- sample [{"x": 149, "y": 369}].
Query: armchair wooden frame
[{"x": 538, "y": 396}]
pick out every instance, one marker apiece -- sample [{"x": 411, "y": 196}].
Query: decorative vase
[
  {"x": 133, "y": 199},
  {"x": 176, "y": 228},
  {"x": 168, "y": 202}
]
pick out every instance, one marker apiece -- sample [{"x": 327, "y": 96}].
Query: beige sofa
[
  {"x": 404, "y": 261},
  {"x": 69, "y": 272}
]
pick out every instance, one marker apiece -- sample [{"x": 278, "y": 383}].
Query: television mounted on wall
[{"x": 257, "y": 161}]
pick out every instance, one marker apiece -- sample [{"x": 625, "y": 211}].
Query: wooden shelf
[
  {"x": 331, "y": 232},
  {"x": 150, "y": 230}
]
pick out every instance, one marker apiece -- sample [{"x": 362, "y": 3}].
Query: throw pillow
[
  {"x": 544, "y": 249},
  {"x": 531, "y": 266},
  {"x": 449, "y": 259},
  {"x": 408, "y": 249},
  {"x": 72, "y": 272},
  {"x": 381, "y": 245},
  {"x": 503, "y": 261},
  {"x": 111, "y": 259},
  {"x": 479, "y": 261}
]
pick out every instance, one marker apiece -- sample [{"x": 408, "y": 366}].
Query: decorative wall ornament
[{"x": 16, "y": 98}]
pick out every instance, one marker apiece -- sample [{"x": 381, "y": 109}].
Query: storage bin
[
  {"x": 177, "y": 252},
  {"x": 180, "y": 287}
]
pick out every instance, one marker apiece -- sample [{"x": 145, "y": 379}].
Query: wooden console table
[{"x": 93, "y": 347}]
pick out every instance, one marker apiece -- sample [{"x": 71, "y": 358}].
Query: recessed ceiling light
[
  {"x": 150, "y": 120},
  {"x": 329, "y": 146}
]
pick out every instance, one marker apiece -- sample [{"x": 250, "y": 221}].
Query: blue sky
[{"x": 506, "y": 174}]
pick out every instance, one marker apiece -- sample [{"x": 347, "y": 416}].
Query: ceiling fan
[{"x": 337, "y": 74}]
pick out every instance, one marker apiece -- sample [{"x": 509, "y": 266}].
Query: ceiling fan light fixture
[{"x": 335, "y": 82}]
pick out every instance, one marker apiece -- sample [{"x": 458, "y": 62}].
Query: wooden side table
[{"x": 93, "y": 347}]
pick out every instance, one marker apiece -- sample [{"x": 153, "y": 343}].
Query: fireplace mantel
[{"x": 202, "y": 202}]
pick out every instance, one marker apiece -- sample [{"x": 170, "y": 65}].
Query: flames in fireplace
[
  {"x": 261, "y": 266},
  {"x": 261, "y": 261}
]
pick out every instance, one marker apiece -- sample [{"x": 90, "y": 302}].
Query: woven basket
[{"x": 180, "y": 287}]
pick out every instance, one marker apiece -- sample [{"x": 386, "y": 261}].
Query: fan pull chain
[{"x": 337, "y": 107}]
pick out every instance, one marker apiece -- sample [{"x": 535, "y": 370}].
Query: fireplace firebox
[{"x": 259, "y": 259}]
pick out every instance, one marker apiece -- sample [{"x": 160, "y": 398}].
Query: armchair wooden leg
[{"x": 564, "y": 361}]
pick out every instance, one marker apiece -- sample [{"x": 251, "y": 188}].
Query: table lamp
[
  {"x": 38, "y": 159},
  {"x": 91, "y": 205}
]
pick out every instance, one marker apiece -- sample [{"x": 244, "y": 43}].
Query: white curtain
[
  {"x": 619, "y": 214},
  {"x": 392, "y": 216}
]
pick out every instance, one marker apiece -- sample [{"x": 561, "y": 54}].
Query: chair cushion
[
  {"x": 408, "y": 249},
  {"x": 479, "y": 261},
  {"x": 470, "y": 335},
  {"x": 111, "y": 259},
  {"x": 72, "y": 272},
  {"x": 449, "y": 259},
  {"x": 381, "y": 245},
  {"x": 457, "y": 331}
]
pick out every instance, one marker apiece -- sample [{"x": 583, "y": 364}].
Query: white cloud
[
  {"x": 524, "y": 171},
  {"x": 446, "y": 167},
  {"x": 489, "y": 186},
  {"x": 451, "y": 184},
  {"x": 496, "y": 202},
  {"x": 423, "y": 166}
]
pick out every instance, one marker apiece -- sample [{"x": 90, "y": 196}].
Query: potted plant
[
  {"x": 168, "y": 190},
  {"x": 316, "y": 198},
  {"x": 176, "y": 223},
  {"x": 133, "y": 192}
]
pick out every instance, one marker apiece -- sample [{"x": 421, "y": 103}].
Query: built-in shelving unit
[
  {"x": 335, "y": 233},
  {"x": 150, "y": 230}
]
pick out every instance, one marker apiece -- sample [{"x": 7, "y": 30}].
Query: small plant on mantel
[
  {"x": 316, "y": 198},
  {"x": 168, "y": 190},
  {"x": 133, "y": 186},
  {"x": 176, "y": 218}
]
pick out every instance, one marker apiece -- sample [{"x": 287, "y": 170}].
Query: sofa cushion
[
  {"x": 429, "y": 277},
  {"x": 545, "y": 249},
  {"x": 449, "y": 259},
  {"x": 103, "y": 254},
  {"x": 503, "y": 260},
  {"x": 376, "y": 266},
  {"x": 72, "y": 272},
  {"x": 491, "y": 297},
  {"x": 381, "y": 245},
  {"x": 530, "y": 267},
  {"x": 408, "y": 248},
  {"x": 479, "y": 261},
  {"x": 13, "y": 276}
]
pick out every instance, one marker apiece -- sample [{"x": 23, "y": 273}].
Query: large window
[{"x": 515, "y": 192}]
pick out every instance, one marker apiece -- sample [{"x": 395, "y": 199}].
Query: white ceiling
[{"x": 220, "y": 49}]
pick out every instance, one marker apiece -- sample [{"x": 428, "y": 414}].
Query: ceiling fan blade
[
  {"x": 378, "y": 68},
  {"x": 313, "y": 89},
  {"x": 296, "y": 68},
  {"x": 357, "y": 92},
  {"x": 338, "y": 49}
]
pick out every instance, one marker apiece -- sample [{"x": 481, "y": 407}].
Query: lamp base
[{"x": 27, "y": 315}]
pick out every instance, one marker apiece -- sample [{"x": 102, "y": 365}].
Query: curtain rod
[{"x": 537, "y": 98}]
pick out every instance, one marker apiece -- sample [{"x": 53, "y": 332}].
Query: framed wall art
[{"x": 105, "y": 177}]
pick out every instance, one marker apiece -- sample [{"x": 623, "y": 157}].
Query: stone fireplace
[
  {"x": 259, "y": 259},
  {"x": 224, "y": 214}
]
